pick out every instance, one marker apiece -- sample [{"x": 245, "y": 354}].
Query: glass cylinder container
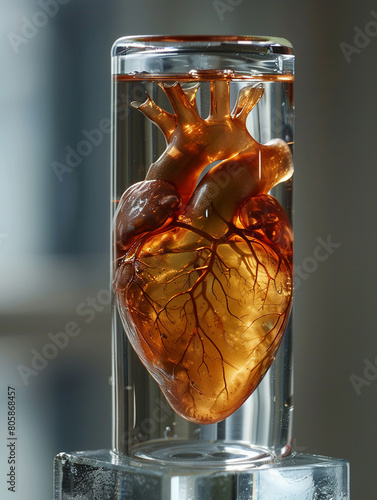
[{"x": 202, "y": 248}]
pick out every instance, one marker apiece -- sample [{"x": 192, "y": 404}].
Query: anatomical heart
[{"x": 203, "y": 258}]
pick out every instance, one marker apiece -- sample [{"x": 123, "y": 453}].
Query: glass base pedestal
[{"x": 103, "y": 475}]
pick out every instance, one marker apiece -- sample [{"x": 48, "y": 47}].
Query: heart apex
[{"x": 206, "y": 418}]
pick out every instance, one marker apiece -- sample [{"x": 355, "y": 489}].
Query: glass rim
[{"x": 259, "y": 44}]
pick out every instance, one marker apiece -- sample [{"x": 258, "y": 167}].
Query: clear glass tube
[{"x": 202, "y": 248}]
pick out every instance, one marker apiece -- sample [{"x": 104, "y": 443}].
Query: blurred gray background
[{"x": 54, "y": 248}]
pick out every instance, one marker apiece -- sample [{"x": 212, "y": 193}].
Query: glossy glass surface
[{"x": 202, "y": 246}]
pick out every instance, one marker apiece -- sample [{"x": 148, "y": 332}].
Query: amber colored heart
[
  {"x": 205, "y": 315},
  {"x": 203, "y": 274}
]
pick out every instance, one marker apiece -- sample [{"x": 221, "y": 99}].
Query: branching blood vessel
[{"x": 203, "y": 269}]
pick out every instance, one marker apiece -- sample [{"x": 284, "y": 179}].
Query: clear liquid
[{"x": 146, "y": 425}]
